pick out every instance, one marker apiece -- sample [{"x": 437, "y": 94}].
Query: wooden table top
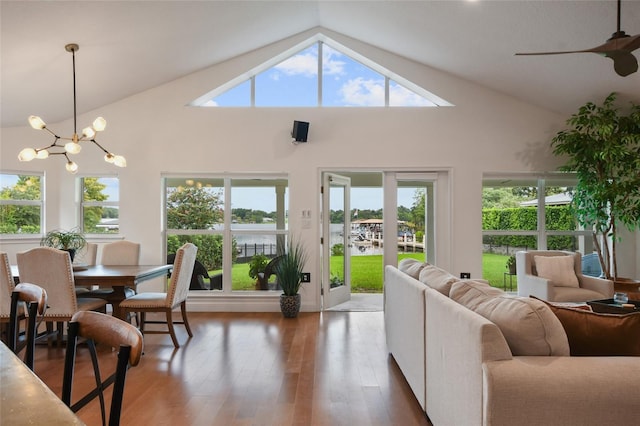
[{"x": 25, "y": 399}]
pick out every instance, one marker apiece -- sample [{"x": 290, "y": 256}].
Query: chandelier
[{"x": 72, "y": 146}]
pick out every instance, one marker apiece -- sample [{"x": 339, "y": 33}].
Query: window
[
  {"x": 100, "y": 204},
  {"x": 319, "y": 72},
  {"x": 232, "y": 220},
  {"x": 21, "y": 203},
  {"x": 512, "y": 219}
]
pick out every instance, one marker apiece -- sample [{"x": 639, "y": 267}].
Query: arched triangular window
[{"x": 319, "y": 72}]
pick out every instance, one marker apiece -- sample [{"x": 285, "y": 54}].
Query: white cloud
[
  {"x": 301, "y": 64},
  {"x": 361, "y": 92},
  {"x": 331, "y": 65}
]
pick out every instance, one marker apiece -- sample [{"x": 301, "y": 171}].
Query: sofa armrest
[
  {"x": 562, "y": 391},
  {"x": 597, "y": 284},
  {"x": 404, "y": 326},
  {"x": 459, "y": 341},
  {"x": 532, "y": 285}
]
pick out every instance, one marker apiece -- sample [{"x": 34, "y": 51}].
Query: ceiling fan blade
[
  {"x": 623, "y": 62},
  {"x": 622, "y": 44}
]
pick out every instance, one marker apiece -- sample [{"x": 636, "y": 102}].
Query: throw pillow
[
  {"x": 437, "y": 278},
  {"x": 596, "y": 334},
  {"x": 528, "y": 325},
  {"x": 411, "y": 267},
  {"x": 558, "y": 269}
]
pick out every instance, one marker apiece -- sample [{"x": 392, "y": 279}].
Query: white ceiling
[{"x": 130, "y": 46}]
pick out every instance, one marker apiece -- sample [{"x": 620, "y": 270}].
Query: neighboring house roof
[{"x": 551, "y": 200}]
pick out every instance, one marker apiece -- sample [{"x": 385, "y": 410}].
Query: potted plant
[
  {"x": 256, "y": 265},
  {"x": 511, "y": 265},
  {"x": 602, "y": 147},
  {"x": 70, "y": 241},
  {"x": 289, "y": 275}
]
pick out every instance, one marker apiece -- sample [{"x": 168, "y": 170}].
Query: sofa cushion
[
  {"x": 436, "y": 278},
  {"x": 528, "y": 325},
  {"x": 596, "y": 334},
  {"x": 557, "y": 269},
  {"x": 411, "y": 267}
]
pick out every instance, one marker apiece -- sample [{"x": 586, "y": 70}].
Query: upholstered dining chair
[
  {"x": 88, "y": 257},
  {"x": 556, "y": 276},
  {"x": 175, "y": 296},
  {"x": 35, "y": 298},
  {"x": 116, "y": 253},
  {"x": 112, "y": 332},
  {"x": 6, "y": 288},
  {"x": 51, "y": 269}
]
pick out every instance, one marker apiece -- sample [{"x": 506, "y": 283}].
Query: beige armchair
[{"x": 559, "y": 279}]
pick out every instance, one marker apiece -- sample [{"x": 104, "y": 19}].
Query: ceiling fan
[{"x": 618, "y": 48}]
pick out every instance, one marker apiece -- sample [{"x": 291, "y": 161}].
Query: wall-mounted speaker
[{"x": 300, "y": 131}]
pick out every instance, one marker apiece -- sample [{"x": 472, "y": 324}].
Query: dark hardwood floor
[{"x": 328, "y": 368}]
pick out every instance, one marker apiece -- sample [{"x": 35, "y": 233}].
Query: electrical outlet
[
  {"x": 306, "y": 277},
  {"x": 465, "y": 275}
]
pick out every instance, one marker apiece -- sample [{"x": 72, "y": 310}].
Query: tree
[
  {"x": 193, "y": 208},
  {"x": 92, "y": 191},
  {"x": 17, "y": 218},
  {"x": 602, "y": 147}
]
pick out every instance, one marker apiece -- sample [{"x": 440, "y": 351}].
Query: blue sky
[{"x": 294, "y": 82}]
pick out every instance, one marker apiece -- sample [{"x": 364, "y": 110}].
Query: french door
[{"x": 336, "y": 238}]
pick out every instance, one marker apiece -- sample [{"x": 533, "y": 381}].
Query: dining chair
[
  {"x": 116, "y": 253},
  {"x": 175, "y": 296},
  {"x": 35, "y": 298},
  {"x": 88, "y": 257},
  {"x": 6, "y": 288},
  {"x": 97, "y": 328},
  {"x": 51, "y": 269}
]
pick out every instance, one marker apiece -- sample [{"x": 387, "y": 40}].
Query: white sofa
[{"x": 462, "y": 370}]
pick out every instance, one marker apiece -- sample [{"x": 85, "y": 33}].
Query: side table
[{"x": 504, "y": 281}]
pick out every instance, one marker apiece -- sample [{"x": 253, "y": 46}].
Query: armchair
[{"x": 549, "y": 287}]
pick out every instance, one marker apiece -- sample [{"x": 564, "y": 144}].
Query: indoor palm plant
[
  {"x": 71, "y": 241},
  {"x": 602, "y": 147},
  {"x": 289, "y": 275}
]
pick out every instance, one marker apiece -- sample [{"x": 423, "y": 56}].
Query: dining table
[
  {"x": 27, "y": 400},
  {"x": 117, "y": 277}
]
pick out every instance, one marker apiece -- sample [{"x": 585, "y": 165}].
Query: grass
[{"x": 367, "y": 272}]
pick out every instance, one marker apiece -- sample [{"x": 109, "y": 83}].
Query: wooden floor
[{"x": 328, "y": 368}]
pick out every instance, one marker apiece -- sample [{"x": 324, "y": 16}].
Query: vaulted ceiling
[{"x": 130, "y": 46}]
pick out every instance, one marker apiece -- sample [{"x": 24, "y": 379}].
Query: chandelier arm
[
  {"x": 50, "y": 131},
  {"x": 100, "y": 146}
]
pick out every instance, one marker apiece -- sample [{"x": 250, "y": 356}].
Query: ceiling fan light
[
  {"x": 27, "y": 154},
  {"x": 71, "y": 167},
  {"x": 37, "y": 122},
  {"x": 99, "y": 124},
  {"x": 72, "y": 147}
]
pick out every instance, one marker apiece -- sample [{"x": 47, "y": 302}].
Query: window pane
[
  {"x": 259, "y": 204},
  {"x": 101, "y": 189},
  {"x": 209, "y": 258},
  {"x": 293, "y": 82},
  {"x": 20, "y": 204},
  {"x": 195, "y": 203},
  {"x": 346, "y": 82},
  {"x": 401, "y": 96},
  {"x": 254, "y": 254},
  {"x": 239, "y": 96}
]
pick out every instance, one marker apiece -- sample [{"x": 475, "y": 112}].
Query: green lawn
[{"x": 367, "y": 272}]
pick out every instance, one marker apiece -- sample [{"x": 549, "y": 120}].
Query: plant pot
[{"x": 290, "y": 305}]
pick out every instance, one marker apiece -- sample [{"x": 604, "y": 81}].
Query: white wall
[{"x": 485, "y": 131}]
